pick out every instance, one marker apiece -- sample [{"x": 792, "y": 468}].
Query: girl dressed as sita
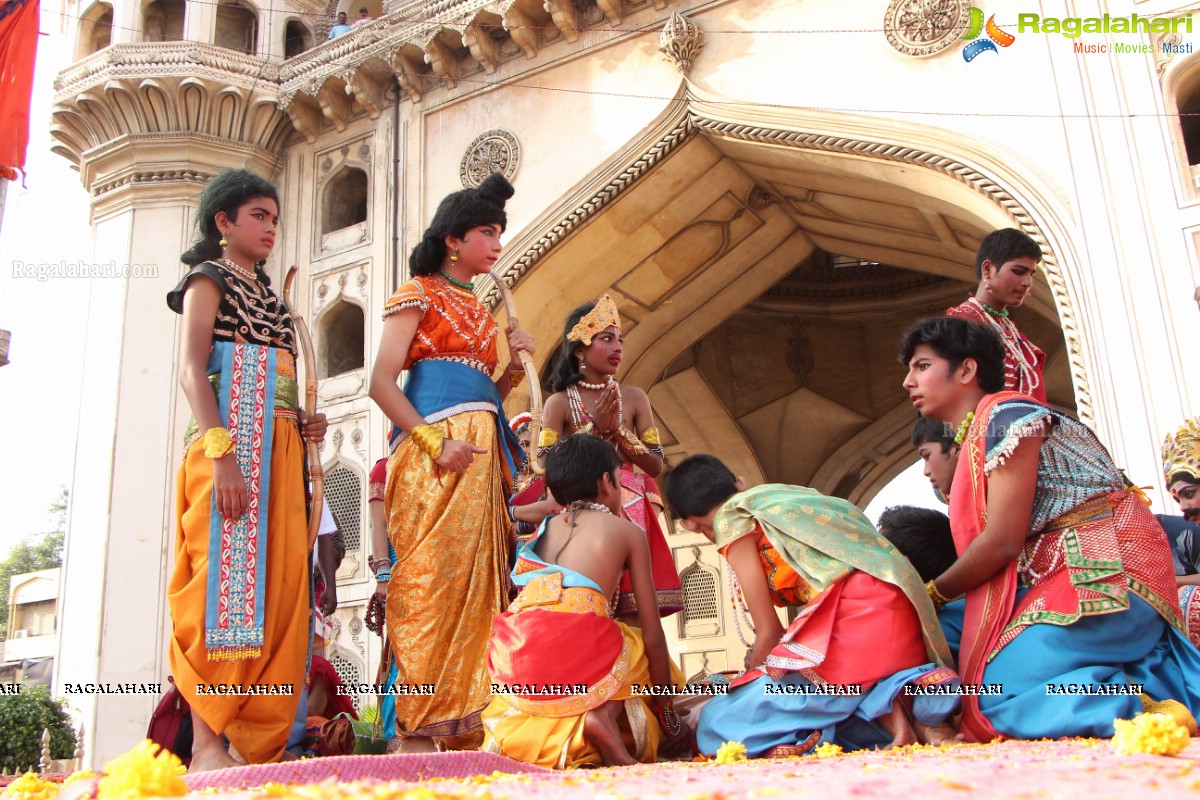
[{"x": 588, "y": 399}]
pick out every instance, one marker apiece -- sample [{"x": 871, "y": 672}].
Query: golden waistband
[
  {"x": 1087, "y": 512},
  {"x": 547, "y": 592}
]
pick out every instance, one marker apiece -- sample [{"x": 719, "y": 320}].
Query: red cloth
[
  {"x": 322, "y": 670},
  {"x": 536, "y": 646},
  {"x": 18, "y": 51},
  {"x": 1030, "y": 351},
  {"x": 858, "y": 631}
]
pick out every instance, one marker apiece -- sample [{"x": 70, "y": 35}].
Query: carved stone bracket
[
  {"x": 483, "y": 47},
  {"x": 335, "y": 105},
  {"x": 613, "y": 9},
  {"x": 370, "y": 92},
  {"x": 680, "y": 41},
  {"x": 440, "y": 57},
  {"x": 925, "y": 27},
  {"x": 522, "y": 30},
  {"x": 305, "y": 116},
  {"x": 492, "y": 151},
  {"x": 565, "y": 16},
  {"x": 406, "y": 66}
]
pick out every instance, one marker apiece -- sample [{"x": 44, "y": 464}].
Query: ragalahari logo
[{"x": 995, "y": 36}]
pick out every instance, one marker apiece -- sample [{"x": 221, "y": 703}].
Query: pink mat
[
  {"x": 1078, "y": 769},
  {"x": 408, "y": 768}
]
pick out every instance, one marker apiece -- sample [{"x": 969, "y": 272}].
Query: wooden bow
[
  {"x": 531, "y": 373},
  {"x": 316, "y": 475}
]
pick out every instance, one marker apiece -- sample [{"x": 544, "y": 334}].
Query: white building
[{"x": 770, "y": 189}]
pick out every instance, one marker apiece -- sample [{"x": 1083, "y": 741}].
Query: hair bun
[{"x": 496, "y": 189}]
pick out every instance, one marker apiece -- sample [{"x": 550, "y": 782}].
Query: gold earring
[
  {"x": 454, "y": 257},
  {"x": 224, "y": 242}
]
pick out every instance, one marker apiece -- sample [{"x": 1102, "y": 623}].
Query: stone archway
[{"x": 764, "y": 274}]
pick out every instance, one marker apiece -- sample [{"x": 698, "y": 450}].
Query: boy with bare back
[{"x": 571, "y": 686}]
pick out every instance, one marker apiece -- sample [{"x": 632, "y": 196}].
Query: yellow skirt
[
  {"x": 450, "y": 533},
  {"x": 257, "y": 725},
  {"x": 559, "y": 742}
]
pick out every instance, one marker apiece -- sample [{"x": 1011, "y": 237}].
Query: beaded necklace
[
  {"x": 1026, "y": 366},
  {"x": 470, "y": 287},
  {"x": 741, "y": 613},
  {"x": 596, "y": 387},
  {"x": 239, "y": 270},
  {"x": 579, "y": 412}
]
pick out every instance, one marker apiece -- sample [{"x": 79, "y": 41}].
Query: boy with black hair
[
  {"x": 867, "y": 629},
  {"x": 565, "y": 673},
  {"x": 934, "y": 442},
  {"x": 922, "y": 535},
  {"x": 1005, "y": 265}
]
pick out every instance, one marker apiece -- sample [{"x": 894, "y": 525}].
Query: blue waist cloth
[{"x": 439, "y": 389}]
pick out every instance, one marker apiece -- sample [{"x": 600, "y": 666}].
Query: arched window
[
  {"x": 343, "y": 492},
  {"x": 296, "y": 38},
  {"x": 702, "y": 600},
  {"x": 95, "y": 30},
  {"x": 342, "y": 339},
  {"x": 162, "y": 21},
  {"x": 347, "y": 669},
  {"x": 345, "y": 201},
  {"x": 237, "y": 27}
]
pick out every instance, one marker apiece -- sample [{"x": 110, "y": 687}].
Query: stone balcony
[{"x": 424, "y": 45}]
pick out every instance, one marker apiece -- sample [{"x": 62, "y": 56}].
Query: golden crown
[
  {"x": 1181, "y": 451},
  {"x": 596, "y": 321}
]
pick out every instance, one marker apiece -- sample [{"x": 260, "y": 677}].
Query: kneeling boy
[
  {"x": 866, "y": 630},
  {"x": 565, "y": 674}
]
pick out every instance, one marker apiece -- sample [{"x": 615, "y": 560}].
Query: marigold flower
[
  {"x": 827, "y": 750},
  {"x": 145, "y": 771},
  {"x": 1157, "y": 734},
  {"x": 731, "y": 753},
  {"x": 30, "y": 787}
]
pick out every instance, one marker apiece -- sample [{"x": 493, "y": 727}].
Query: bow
[
  {"x": 535, "y": 383},
  {"x": 316, "y": 475}
]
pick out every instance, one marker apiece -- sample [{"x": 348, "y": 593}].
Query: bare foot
[
  {"x": 600, "y": 729},
  {"x": 945, "y": 733},
  {"x": 417, "y": 744},
  {"x": 214, "y": 756},
  {"x": 897, "y": 723}
]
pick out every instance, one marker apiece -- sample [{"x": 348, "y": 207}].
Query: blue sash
[
  {"x": 439, "y": 389},
  {"x": 237, "y": 549}
]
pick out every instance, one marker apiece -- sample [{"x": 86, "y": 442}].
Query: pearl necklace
[
  {"x": 1012, "y": 345},
  {"x": 239, "y": 270},
  {"x": 595, "y": 387}
]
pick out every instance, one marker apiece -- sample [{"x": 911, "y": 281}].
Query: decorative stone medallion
[
  {"x": 496, "y": 150},
  {"x": 925, "y": 27}
]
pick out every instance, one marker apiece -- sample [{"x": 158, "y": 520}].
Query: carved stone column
[{"x": 146, "y": 124}]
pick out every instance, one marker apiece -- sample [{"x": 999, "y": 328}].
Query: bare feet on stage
[
  {"x": 945, "y": 733},
  {"x": 600, "y": 729},
  {"x": 897, "y": 723},
  {"x": 208, "y": 750},
  {"x": 417, "y": 744}
]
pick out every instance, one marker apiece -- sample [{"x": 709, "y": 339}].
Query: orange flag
[{"x": 18, "y": 48}]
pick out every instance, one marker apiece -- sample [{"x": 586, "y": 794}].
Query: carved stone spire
[{"x": 680, "y": 41}]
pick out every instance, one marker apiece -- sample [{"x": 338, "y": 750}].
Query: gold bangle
[
  {"x": 515, "y": 376},
  {"x": 937, "y": 598},
  {"x": 650, "y": 437},
  {"x": 217, "y": 443},
  {"x": 429, "y": 438},
  {"x": 548, "y": 437}
]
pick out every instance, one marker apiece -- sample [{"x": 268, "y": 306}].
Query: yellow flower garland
[{"x": 145, "y": 771}]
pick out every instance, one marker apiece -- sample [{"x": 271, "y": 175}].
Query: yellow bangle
[
  {"x": 217, "y": 443},
  {"x": 515, "y": 376},
  {"x": 937, "y": 598},
  {"x": 549, "y": 438},
  {"x": 429, "y": 438},
  {"x": 650, "y": 437}
]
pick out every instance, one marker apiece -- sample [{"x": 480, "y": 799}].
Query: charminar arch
[{"x": 765, "y": 253}]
